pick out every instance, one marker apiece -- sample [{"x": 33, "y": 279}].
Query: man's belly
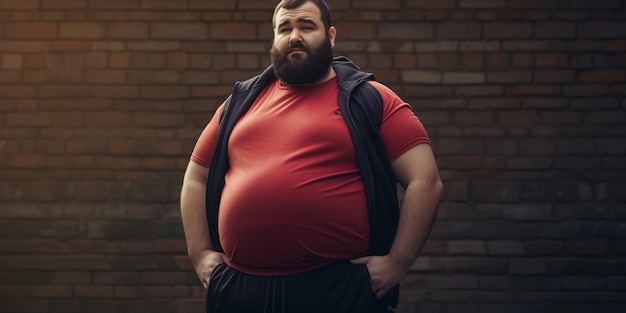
[{"x": 276, "y": 222}]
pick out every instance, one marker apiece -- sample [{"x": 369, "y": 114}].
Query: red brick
[
  {"x": 509, "y": 77},
  {"x": 615, "y": 45},
  {"x": 15, "y": 292},
  {"x": 217, "y": 5},
  {"x": 469, "y": 118},
  {"x": 431, "y": 4},
  {"x": 52, "y": 291},
  {"x": 81, "y": 30},
  {"x": 115, "y": 4},
  {"x": 498, "y": 60},
  {"x": 448, "y": 60},
  {"x": 35, "y": 262},
  {"x": 93, "y": 291},
  {"x": 531, "y": 3},
  {"x": 116, "y": 162},
  {"x": 595, "y": 104},
  {"x": 458, "y": 162},
  {"x": 152, "y": 119},
  {"x": 153, "y": 77},
  {"x": 127, "y": 30},
  {"x": 458, "y": 30},
  {"x": 70, "y": 46},
  {"x": 372, "y": 5},
  {"x": 493, "y": 104},
  {"x": 556, "y": 60},
  {"x": 33, "y": 60},
  {"x": 164, "y": 4},
  {"x": 107, "y": 118},
  {"x": 522, "y": 60},
  {"x": 148, "y": 60},
  {"x": 532, "y": 90},
  {"x": 114, "y": 77},
  {"x": 602, "y": 76},
  {"x": 554, "y": 76},
  {"x": 158, "y": 163},
  {"x": 25, "y": 305},
  {"x": 104, "y": 91},
  {"x": 538, "y": 15},
  {"x": 23, "y": 46},
  {"x": 200, "y": 61},
  {"x": 558, "y": 30},
  {"x": 463, "y": 77},
  {"x": 119, "y": 60},
  {"x": 524, "y": 119},
  {"x": 602, "y": 29},
  {"x": 178, "y": 60},
  {"x": 471, "y": 61},
  {"x": 507, "y": 30},
  {"x": 40, "y": 30},
  {"x": 483, "y": 4},
  {"x": 544, "y": 103},
  {"x": 84, "y": 146},
  {"x": 12, "y": 61},
  {"x": 357, "y": 30},
  {"x": 21, "y": 16},
  {"x": 67, "y": 119},
  {"x": 162, "y": 148},
  {"x": 121, "y": 147},
  {"x": 19, "y": 5},
  {"x": 405, "y": 31},
  {"x": 231, "y": 31},
  {"x": 198, "y": 78},
  {"x": 110, "y": 46},
  {"x": 182, "y": 31},
  {"x": 129, "y": 292},
  {"x": 75, "y": 104},
  {"x": 63, "y": 91},
  {"x": 53, "y": 76},
  {"x": 28, "y": 119},
  {"x": 27, "y": 161},
  {"x": 165, "y": 92},
  {"x": 64, "y": 4},
  {"x": 474, "y": 91},
  {"x": 10, "y": 77},
  {"x": 405, "y": 61}
]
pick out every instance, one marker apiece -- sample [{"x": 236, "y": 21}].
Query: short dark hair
[{"x": 292, "y": 4}]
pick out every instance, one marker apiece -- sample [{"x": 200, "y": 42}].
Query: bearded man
[{"x": 289, "y": 200}]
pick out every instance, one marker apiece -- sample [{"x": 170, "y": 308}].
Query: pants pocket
[{"x": 215, "y": 275}]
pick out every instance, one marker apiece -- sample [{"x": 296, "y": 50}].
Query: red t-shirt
[{"x": 293, "y": 199}]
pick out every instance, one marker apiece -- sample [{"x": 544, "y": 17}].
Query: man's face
[{"x": 302, "y": 48}]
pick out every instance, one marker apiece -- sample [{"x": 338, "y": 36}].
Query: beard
[{"x": 302, "y": 70}]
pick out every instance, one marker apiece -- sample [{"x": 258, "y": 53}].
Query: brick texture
[{"x": 101, "y": 103}]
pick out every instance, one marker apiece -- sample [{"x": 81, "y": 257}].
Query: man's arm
[
  {"x": 193, "y": 214},
  {"x": 416, "y": 170}
]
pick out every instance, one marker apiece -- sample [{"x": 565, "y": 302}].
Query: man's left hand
[{"x": 384, "y": 273}]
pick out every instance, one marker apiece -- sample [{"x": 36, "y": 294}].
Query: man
[{"x": 289, "y": 202}]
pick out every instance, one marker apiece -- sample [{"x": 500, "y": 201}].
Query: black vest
[{"x": 362, "y": 108}]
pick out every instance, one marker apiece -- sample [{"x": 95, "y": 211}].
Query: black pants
[{"x": 337, "y": 288}]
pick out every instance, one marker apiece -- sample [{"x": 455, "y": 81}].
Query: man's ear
[{"x": 332, "y": 33}]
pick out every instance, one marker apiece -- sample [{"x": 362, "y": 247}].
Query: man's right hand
[{"x": 205, "y": 262}]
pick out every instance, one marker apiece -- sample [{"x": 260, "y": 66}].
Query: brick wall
[{"x": 101, "y": 102}]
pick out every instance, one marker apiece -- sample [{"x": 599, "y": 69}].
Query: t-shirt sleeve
[
  {"x": 205, "y": 146},
  {"x": 400, "y": 129}
]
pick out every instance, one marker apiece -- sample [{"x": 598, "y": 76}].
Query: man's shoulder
[{"x": 383, "y": 89}]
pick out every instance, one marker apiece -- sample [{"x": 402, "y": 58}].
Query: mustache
[{"x": 297, "y": 45}]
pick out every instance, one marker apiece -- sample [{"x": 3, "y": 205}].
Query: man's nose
[{"x": 295, "y": 36}]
